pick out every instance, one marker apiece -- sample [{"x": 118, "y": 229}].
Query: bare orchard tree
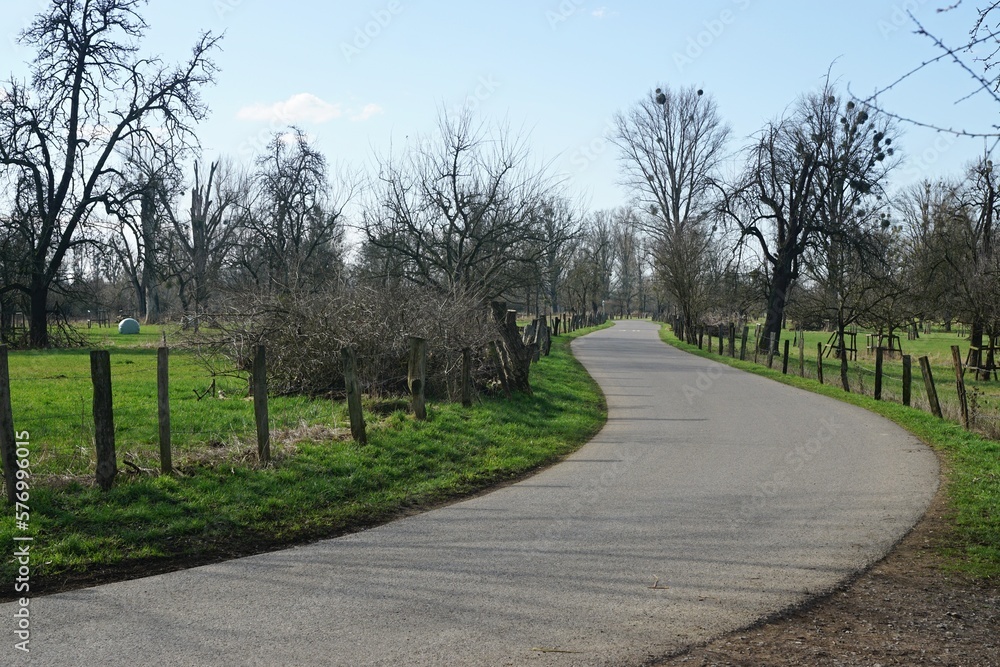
[
  {"x": 460, "y": 210},
  {"x": 559, "y": 228},
  {"x": 808, "y": 178},
  {"x": 90, "y": 97},
  {"x": 294, "y": 235},
  {"x": 671, "y": 144},
  {"x": 954, "y": 231}
]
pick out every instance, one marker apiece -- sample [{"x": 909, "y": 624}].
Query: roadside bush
[{"x": 304, "y": 334}]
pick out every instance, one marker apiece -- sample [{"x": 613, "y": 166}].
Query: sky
[{"x": 361, "y": 76}]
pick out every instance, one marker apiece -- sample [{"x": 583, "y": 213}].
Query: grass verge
[
  {"x": 228, "y": 507},
  {"x": 973, "y": 465}
]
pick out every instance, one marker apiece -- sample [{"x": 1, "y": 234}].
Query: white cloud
[
  {"x": 303, "y": 107},
  {"x": 367, "y": 112},
  {"x": 600, "y": 13}
]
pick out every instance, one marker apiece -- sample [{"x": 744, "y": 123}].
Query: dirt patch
[{"x": 906, "y": 610}]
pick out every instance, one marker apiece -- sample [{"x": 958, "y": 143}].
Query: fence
[
  {"x": 128, "y": 399},
  {"x": 887, "y": 374}
]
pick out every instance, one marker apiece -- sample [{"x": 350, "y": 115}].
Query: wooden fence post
[
  {"x": 467, "y": 374},
  {"x": 784, "y": 359},
  {"x": 163, "y": 408},
  {"x": 104, "y": 421},
  {"x": 732, "y": 340},
  {"x": 963, "y": 399},
  {"x": 353, "y": 390},
  {"x": 8, "y": 441},
  {"x": 932, "y": 398},
  {"x": 743, "y": 342},
  {"x": 722, "y": 340},
  {"x": 497, "y": 354},
  {"x": 416, "y": 376},
  {"x": 879, "y": 359},
  {"x": 802, "y": 354},
  {"x": 771, "y": 349},
  {"x": 844, "y": 381},
  {"x": 260, "y": 404},
  {"x": 907, "y": 379},
  {"x": 819, "y": 362}
]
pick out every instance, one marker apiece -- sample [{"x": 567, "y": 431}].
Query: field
[
  {"x": 51, "y": 396},
  {"x": 222, "y": 503}
]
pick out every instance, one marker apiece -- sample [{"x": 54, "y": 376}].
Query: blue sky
[{"x": 359, "y": 75}]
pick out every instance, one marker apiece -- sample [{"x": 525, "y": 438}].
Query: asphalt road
[{"x": 739, "y": 496}]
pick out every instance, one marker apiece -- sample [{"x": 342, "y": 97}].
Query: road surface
[{"x": 712, "y": 498}]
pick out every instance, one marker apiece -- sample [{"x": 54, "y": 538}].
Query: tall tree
[
  {"x": 671, "y": 144},
  {"x": 90, "y": 97},
  {"x": 293, "y": 237},
  {"x": 202, "y": 241},
  {"x": 139, "y": 241},
  {"x": 807, "y": 180},
  {"x": 460, "y": 210}
]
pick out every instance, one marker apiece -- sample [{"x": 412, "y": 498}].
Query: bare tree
[
  {"x": 671, "y": 145},
  {"x": 460, "y": 211},
  {"x": 202, "y": 241},
  {"x": 588, "y": 279},
  {"x": 90, "y": 97},
  {"x": 559, "y": 228},
  {"x": 953, "y": 228},
  {"x": 139, "y": 238},
  {"x": 807, "y": 181},
  {"x": 627, "y": 247},
  {"x": 293, "y": 237}
]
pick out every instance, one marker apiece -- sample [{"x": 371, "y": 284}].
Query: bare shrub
[{"x": 305, "y": 332}]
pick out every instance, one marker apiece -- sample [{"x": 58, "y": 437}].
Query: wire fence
[
  {"x": 983, "y": 396},
  {"x": 212, "y": 414}
]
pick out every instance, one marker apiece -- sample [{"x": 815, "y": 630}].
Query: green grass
[
  {"x": 226, "y": 505},
  {"x": 972, "y": 461},
  {"x": 51, "y": 395}
]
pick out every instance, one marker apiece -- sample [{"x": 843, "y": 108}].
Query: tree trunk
[
  {"x": 149, "y": 298},
  {"x": 38, "y": 319},
  {"x": 842, "y": 352},
  {"x": 976, "y": 349},
  {"x": 776, "y": 300}
]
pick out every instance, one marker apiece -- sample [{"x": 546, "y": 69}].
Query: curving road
[{"x": 737, "y": 495}]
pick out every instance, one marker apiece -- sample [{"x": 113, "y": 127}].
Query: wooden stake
[
  {"x": 104, "y": 420},
  {"x": 932, "y": 398},
  {"x": 879, "y": 358},
  {"x": 354, "y": 410},
  {"x": 907, "y": 379},
  {"x": 819, "y": 362},
  {"x": 416, "y": 376},
  {"x": 260, "y": 404},
  {"x": 963, "y": 399},
  {"x": 163, "y": 408},
  {"x": 8, "y": 441}
]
